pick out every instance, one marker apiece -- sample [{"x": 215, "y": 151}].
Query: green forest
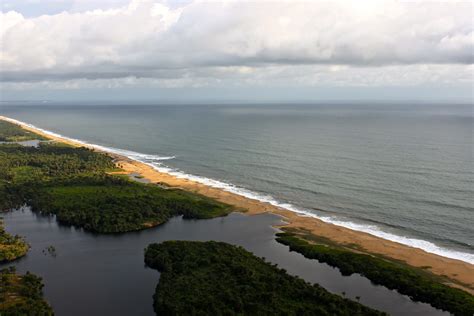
[
  {"x": 416, "y": 283},
  {"x": 109, "y": 204},
  {"x": 22, "y": 295},
  {"x": 215, "y": 278},
  {"x": 73, "y": 184}
]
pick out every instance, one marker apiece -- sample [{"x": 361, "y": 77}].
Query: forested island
[
  {"x": 216, "y": 278},
  {"x": 419, "y": 285},
  {"x": 22, "y": 294}
]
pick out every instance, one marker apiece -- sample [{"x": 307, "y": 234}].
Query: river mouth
[{"x": 92, "y": 274}]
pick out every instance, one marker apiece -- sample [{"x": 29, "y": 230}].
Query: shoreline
[{"x": 460, "y": 272}]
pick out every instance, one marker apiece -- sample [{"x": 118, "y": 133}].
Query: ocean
[{"x": 404, "y": 172}]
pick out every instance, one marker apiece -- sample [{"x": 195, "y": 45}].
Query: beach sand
[{"x": 460, "y": 273}]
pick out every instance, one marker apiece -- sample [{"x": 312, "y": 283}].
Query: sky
[{"x": 236, "y": 51}]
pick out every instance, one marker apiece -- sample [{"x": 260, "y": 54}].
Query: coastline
[{"x": 462, "y": 273}]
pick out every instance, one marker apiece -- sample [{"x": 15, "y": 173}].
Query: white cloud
[{"x": 234, "y": 40}]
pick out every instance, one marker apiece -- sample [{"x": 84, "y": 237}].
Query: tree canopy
[
  {"x": 22, "y": 295},
  {"x": 215, "y": 278}
]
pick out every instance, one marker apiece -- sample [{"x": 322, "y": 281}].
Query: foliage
[
  {"x": 11, "y": 247},
  {"x": 10, "y": 132},
  {"x": 110, "y": 204},
  {"x": 72, "y": 183},
  {"x": 22, "y": 295},
  {"x": 25, "y": 169},
  {"x": 215, "y": 278},
  {"x": 22, "y": 164},
  {"x": 417, "y": 284}
]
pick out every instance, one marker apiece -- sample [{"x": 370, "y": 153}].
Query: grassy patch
[
  {"x": 215, "y": 278},
  {"x": 418, "y": 284}
]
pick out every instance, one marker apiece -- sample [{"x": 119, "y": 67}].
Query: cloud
[{"x": 150, "y": 39}]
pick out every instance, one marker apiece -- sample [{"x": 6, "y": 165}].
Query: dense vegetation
[
  {"x": 11, "y": 247},
  {"x": 24, "y": 170},
  {"x": 13, "y": 133},
  {"x": 214, "y": 278},
  {"x": 110, "y": 204},
  {"x": 22, "y": 295},
  {"x": 417, "y": 284},
  {"x": 73, "y": 184}
]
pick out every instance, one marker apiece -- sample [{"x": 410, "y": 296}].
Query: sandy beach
[{"x": 461, "y": 273}]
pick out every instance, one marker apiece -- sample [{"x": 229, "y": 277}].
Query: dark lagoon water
[
  {"x": 105, "y": 274},
  {"x": 404, "y": 172}
]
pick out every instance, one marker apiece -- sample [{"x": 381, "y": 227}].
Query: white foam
[{"x": 155, "y": 162}]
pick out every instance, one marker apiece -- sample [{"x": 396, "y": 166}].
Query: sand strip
[{"x": 461, "y": 273}]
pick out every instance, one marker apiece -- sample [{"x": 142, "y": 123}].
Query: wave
[{"x": 155, "y": 162}]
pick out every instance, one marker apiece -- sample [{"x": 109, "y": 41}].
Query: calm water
[
  {"x": 105, "y": 274},
  {"x": 405, "y": 172}
]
